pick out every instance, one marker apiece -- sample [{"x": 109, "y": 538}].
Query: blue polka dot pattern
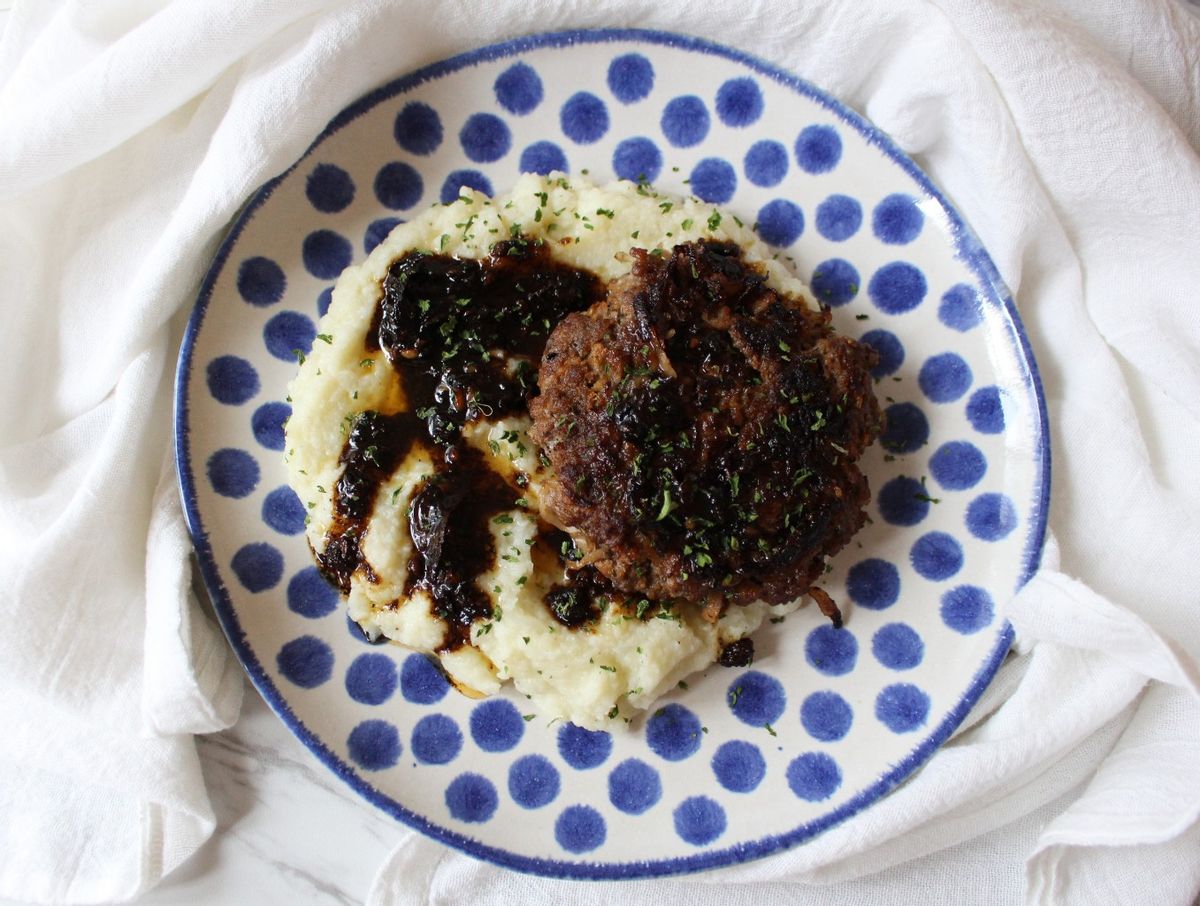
[
  {"x": 584, "y": 118},
  {"x": 326, "y": 295},
  {"x": 326, "y": 254},
  {"x": 739, "y": 102},
  {"x": 757, "y": 699},
  {"x": 814, "y": 776},
  {"x": 283, "y": 511},
  {"x": 958, "y": 465},
  {"x": 231, "y": 380},
  {"x": 496, "y": 726},
  {"x": 766, "y": 163},
  {"x": 818, "y": 149},
  {"x": 580, "y": 829},
  {"x": 826, "y": 716},
  {"x": 533, "y": 781},
  {"x": 398, "y": 185},
  {"x": 699, "y": 820},
  {"x": 436, "y": 739},
  {"x": 418, "y": 128},
  {"x": 371, "y": 679},
  {"x": 960, "y": 308},
  {"x": 985, "y": 412},
  {"x": 898, "y": 646},
  {"x": 673, "y": 733},
  {"x": 739, "y": 766},
  {"x": 306, "y": 661},
  {"x": 945, "y": 377},
  {"x": 637, "y": 159},
  {"x": 485, "y": 138},
  {"x": 583, "y": 749},
  {"x": 422, "y": 683},
  {"x": 890, "y": 349},
  {"x": 834, "y": 282},
  {"x": 457, "y": 180},
  {"x": 967, "y": 609},
  {"x": 713, "y": 180},
  {"x": 907, "y": 428},
  {"x": 897, "y": 220},
  {"x": 232, "y": 472},
  {"x": 839, "y": 217},
  {"x": 897, "y": 288},
  {"x": 519, "y": 89},
  {"x": 780, "y": 222},
  {"x": 329, "y": 188},
  {"x": 289, "y": 333},
  {"x": 634, "y": 787},
  {"x": 991, "y": 517},
  {"x": 831, "y": 651},
  {"x": 936, "y": 556},
  {"x": 376, "y": 232},
  {"x": 260, "y": 281},
  {"x": 542, "y": 158},
  {"x": 258, "y": 566},
  {"x": 902, "y": 707},
  {"x": 309, "y": 595},
  {"x": 903, "y": 501},
  {"x": 873, "y": 584},
  {"x": 685, "y": 121},
  {"x": 630, "y": 78},
  {"x": 471, "y": 798},
  {"x": 374, "y": 745}
]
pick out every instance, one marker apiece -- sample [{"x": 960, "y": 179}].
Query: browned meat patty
[{"x": 702, "y": 431}]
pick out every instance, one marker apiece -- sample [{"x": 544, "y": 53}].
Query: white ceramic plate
[{"x": 742, "y": 762}]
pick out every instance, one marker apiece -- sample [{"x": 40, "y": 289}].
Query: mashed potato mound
[{"x": 626, "y": 656}]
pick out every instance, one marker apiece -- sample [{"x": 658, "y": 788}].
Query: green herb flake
[{"x": 667, "y": 505}]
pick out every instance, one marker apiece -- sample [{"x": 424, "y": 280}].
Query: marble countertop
[{"x": 288, "y": 831}]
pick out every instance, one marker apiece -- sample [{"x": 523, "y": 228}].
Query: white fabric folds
[{"x": 1067, "y": 133}]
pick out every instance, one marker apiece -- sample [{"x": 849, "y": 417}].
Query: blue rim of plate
[{"x": 969, "y": 250}]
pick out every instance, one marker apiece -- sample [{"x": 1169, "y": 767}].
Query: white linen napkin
[{"x": 1068, "y": 135}]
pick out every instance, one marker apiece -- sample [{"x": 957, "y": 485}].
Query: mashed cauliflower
[{"x": 593, "y": 675}]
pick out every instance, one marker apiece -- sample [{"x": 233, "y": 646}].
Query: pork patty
[{"x": 702, "y": 431}]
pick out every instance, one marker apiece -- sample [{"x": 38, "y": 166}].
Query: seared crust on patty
[{"x": 703, "y": 431}]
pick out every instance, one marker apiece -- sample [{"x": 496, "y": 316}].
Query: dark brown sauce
[
  {"x": 450, "y": 520},
  {"x": 739, "y": 653},
  {"x": 466, "y": 335},
  {"x": 465, "y": 338},
  {"x": 375, "y": 447}
]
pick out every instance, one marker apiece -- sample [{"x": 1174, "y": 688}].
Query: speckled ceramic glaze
[{"x": 741, "y": 762}]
